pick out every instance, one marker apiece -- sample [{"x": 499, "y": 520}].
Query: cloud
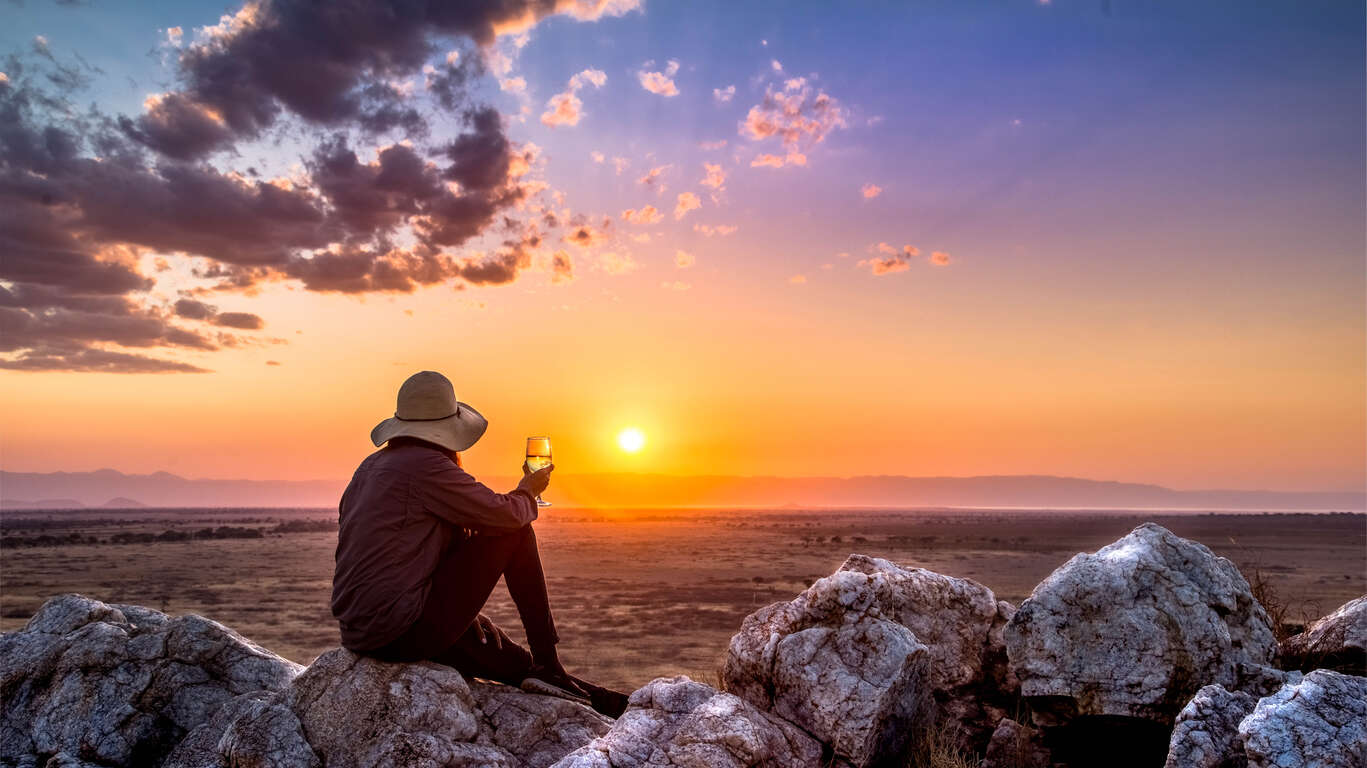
[
  {"x": 562, "y": 267},
  {"x": 584, "y": 235},
  {"x": 653, "y": 175},
  {"x": 871, "y": 191},
  {"x": 675, "y": 285},
  {"x": 797, "y": 279},
  {"x": 721, "y": 230},
  {"x": 767, "y": 160},
  {"x": 723, "y": 95},
  {"x": 774, "y": 65},
  {"x": 891, "y": 259},
  {"x": 940, "y": 258},
  {"x": 83, "y": 195},
  {"x": 565, "y": 108},
  {"x": 687, "y": 201},
  {"x": 799, "y": 116},
  {"x": 616, "y": 263},
  {"x": 713, "y": 176},
  {"x": 683, "y": 259},
  {"x": 661, "y": 83},
  {"x": 620, "y": 164},
  {"x": 597, "y": 157},
  {"x": 192, "y": 309},
  {"x": 174, "y": 36},
  {"x": 646, "y": 215},
  {"x": 513, "y": 84},
  {"x": 713, "y": 144}
]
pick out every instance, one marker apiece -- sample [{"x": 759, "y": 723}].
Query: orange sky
[{"x": 1151, "y": 250}]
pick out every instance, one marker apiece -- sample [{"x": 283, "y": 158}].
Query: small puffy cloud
[
  {"x": 513, "y": 84},
  {"x": 565, "y": 108},
  {"x": 175, "y": 37},
  {"x": 646, "y": 215},
  {"x": 798, "y": 115},
  {"x": 620, "y": 164},
  {"x": 723, "y": 95},
  {"x": 272, "y": 362},
  {"x": 939, "y": 258},
  {"x": 683, "y": 259},
  {"x": 595, "y": 77},
  {"x": 193, "y": 309},
  {"x": 562, "y": 267},
  {"x": 891, "y": 259},
  {"x": 653, "y": 175},
  {"x": 657, "y": 82},
  {"x": 597, "y": 157},
  {"x": 713, "y": 176},
  {"x": 721, "y": 230},
  {"x": 453, "y": 57},
  {"x": 562, "y": 109},
  {"x": 615, "y": 263},
  {"x": 713, "y": 144},
  {"x": 767, "y": 160},
  {"x": 585, "y": 235},
  {"x": 797, "y": 279},
  {"x": 675, "y": 285},
  {"x": 687, "y": 201},
  {"x": 871, "y": 191},
  {"x": 774, "y": 65}
]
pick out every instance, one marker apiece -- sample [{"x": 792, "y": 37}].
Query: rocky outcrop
[
  {"x": 1013, "y": 745},
  {"x": 832, "y": 662},
  {"x": 1320, "y": 721},
  {"x": 961, "y": 623},
  {"x": 1135, "y": 630},
  {"x": 349, "y": 711},
  {"x": 1206, "y": 734},
  {"x": 119, "y": 684},
  {"x": 678, "y": 722},
  {"x": 1337, "y": 641}
]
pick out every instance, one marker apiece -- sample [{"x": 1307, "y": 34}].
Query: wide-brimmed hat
[{"x": 427, "y": 409}]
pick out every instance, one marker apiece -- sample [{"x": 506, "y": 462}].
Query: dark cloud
[{"x": 84, "y": 194}]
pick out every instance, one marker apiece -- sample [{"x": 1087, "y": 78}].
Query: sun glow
[{"x": 631, "y": 439}]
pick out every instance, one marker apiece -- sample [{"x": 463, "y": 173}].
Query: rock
[
  {"x": 1207, "y": 731},
  {"x": 1320, "y": 721},
  {"x": 350, "y": 711},
  {"x": 119, "y": 685},
  {"x": 961, "y": 623},
  {"x": 676, "y": 722},
  {"x": 1134, "y": 631},
  {"x": 1337, "y": 641},
  {"x": 1013, "y": 745},
  {"x": 199, "y": 748},
  {"x": 833, "y": 663}
]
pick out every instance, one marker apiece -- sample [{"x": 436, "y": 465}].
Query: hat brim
[{"x": 454, "y": 433}]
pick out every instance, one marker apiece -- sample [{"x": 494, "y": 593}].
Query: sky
[{"x": 1106, "y": 239}]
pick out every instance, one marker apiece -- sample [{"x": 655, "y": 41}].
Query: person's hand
[
  {"x": 485, "y": 628},
  {"x": 537, "y": 481}
]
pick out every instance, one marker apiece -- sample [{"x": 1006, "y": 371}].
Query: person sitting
[{"x": 421, "y": 544}]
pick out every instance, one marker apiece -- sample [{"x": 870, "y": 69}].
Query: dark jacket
[{"x": 397, "y": 517}]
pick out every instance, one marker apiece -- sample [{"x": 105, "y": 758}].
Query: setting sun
[{"x": 631, "y": 439}]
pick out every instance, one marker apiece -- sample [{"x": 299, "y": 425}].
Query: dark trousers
[{"x": 464, "y": 579}]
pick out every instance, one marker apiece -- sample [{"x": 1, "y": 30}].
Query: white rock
[
  {"x": 1206, "y": 734},
  {"x": 1320, "y": 721},
  {"x": 120, "y": 685},
  {"x": 679, "y": 723},
  {"x": 1337, "y": 641},
  {"x": 835, "y": 664},
  {"x": 1135, "y": 630}
]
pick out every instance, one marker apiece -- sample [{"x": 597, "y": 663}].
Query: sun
[{"x": 631, "y": 439}]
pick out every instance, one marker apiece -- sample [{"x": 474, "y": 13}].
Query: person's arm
[{"x": 454, "y": 495}]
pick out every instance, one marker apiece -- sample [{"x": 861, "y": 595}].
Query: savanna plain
[{"x": 636, "y": 593}]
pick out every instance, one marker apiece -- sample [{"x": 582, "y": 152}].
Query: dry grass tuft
[{"x": 941, "y": 746}]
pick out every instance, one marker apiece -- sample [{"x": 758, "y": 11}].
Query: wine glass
[{"x": 539, "y": 457}]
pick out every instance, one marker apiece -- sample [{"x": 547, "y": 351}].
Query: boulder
[
  {"x": 833, "y": 663},
  {"x": 87, "y": 681},
  {"x": 350, "y": 711},
  {"x": 1337, "y": 641},
  {"x": 1013, "y": 745},
  {"x": 1133, "y": 631},
  {"x": 961, "y": 623},
  {"x": 676, "y": 722},
  {"x": 1207, "y": 731},
  {"x": 1320, "y": 721}
]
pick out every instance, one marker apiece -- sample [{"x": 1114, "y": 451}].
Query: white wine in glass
[{"x": 539, "y": 457}]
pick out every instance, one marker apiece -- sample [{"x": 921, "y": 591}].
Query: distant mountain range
[{"x": 112, "y": 489}]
